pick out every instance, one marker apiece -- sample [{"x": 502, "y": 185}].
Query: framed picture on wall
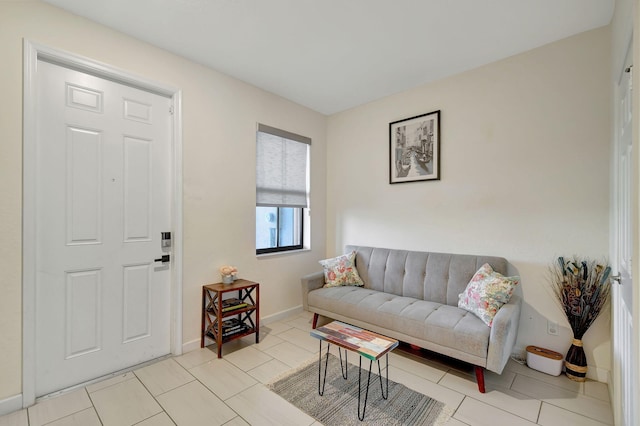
[{"x": 414, "y": 148}]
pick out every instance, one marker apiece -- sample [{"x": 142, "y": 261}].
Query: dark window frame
[{"x": 280, "y": 249}]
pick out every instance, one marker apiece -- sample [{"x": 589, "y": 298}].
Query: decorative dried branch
[{"x": 583, "y": 288}]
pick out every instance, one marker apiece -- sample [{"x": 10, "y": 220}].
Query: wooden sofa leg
[
  {"x": 480, "y": 378},
  {"x": 315, "y": 321}
]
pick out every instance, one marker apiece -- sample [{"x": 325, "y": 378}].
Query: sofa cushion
[
  {"x": 341, "y": 270},
  {"x": 441, "y": 324},
  {"x": 486, "y": 293}
]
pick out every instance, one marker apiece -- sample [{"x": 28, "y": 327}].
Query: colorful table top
[{"x": 366, "y": 343}]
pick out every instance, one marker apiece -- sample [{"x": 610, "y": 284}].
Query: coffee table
[{"x": 367, "y": 344}]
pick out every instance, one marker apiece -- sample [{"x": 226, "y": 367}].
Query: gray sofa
[{"x": 413, "y": 297}]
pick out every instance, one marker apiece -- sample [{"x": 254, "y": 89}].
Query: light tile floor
[{"x": 199, "y": 389}]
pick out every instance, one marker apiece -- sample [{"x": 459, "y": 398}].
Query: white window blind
[{"x": 281, "y": 168}]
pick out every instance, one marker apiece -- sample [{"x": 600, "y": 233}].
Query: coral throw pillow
[
  {"x": 486, "y": 293},
  {"x": 341, "y": 271}
]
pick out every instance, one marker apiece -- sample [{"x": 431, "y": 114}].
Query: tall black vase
[{"x": 575, "y": 362}]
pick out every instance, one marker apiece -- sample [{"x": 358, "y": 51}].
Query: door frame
[
  {"x": 615, "y": 384},
  {"x": 33, "y": 52},
  {"x": 632, "y": 45}
]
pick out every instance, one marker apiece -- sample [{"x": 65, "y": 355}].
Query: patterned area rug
[{"x": 339, "y": 404}]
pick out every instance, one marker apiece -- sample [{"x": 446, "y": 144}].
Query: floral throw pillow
[
  {"x": 341, "y": 271},
  {"x": 486, "y": 293}
]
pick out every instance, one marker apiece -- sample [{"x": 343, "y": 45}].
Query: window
[
  {"x": 278, "y": 228},
  {"x": 282, "y": 189}
]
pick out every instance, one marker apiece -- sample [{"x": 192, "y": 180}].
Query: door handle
[
  {"x": 617, "y": 278},
  {"x": 164, "y": 259}
]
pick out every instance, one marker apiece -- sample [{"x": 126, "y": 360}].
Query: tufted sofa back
[{"x": 437, "y": 277}]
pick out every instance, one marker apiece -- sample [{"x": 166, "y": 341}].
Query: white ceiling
[{"x": 331, "y": 55}]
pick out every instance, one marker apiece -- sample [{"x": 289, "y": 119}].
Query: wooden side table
[{"x": 223, "y": 321}]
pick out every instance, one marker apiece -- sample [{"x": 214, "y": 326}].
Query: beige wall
[
  {"x": 524, "y": 170},
  {"x": 524, "y": 174},
  {"x": 219, "y": 117}
]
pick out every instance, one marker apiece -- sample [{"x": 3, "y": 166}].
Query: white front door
[
  {"x": 622, "y": 292},
  {"x": 103, "y": 197}
]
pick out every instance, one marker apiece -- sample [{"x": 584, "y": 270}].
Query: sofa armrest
[
  {"x": 310, "y": 282},
  {"x": 504, "y": 331}
]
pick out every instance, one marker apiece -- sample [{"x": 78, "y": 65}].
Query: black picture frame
[{"x": 414, "y": 148}]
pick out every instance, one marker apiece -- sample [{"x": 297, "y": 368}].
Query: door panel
[
  {"x": 102, "y": 199},
  {"x": 83, "y": 325},
  {"x": 624, "y": 369},
  {"x": 84, "y": 98},
  {"x": 137, "y": 189},
  {"x": 137, "y": 302},
  {"x": 83, "y": 186}
]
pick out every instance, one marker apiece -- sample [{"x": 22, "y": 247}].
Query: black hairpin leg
[
  {"x": 380, "y": 374},
  {"x": 366, "y": 394},
  {"x": 322, "y": 382},
  {"x": 346, "y": 365}
]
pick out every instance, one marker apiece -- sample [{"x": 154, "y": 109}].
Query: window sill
[{"x": 282, "y": 253}]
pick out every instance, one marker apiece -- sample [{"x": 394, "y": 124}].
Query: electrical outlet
[{"x": 552, "y": 328}]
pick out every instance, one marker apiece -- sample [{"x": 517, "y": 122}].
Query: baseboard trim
[
  {"x": 192, "y": 345},
  {"x": 281, "y": 315},
  {"x": 11, "y": 404},
  {"x": 598, "y": 374}
]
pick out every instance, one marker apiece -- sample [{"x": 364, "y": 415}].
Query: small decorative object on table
[
  {"x": 583, "y": 289},
  {"x": 228, "y": 274}
]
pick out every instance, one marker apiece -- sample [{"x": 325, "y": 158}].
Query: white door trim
[
  {"x": 32, "y": 53},
  {"x": 615, "y": 385}
]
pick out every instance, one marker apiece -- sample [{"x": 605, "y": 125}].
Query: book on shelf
[
  {"x": 232, "y": 332},
  {"x": 233, "y": 326},
  {"x": 232, "y": 304},
  {"x": 230, "y": 323},
  {"x": 227, "y": 332}
]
